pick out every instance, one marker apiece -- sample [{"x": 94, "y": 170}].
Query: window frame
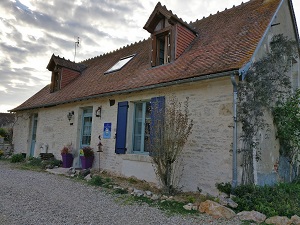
[
  {"x": 56, "y": 80},
  {"x": 120, "y": 64},
  {"x": 157, "y": 37},
  {"x": 143, "y": 127}
]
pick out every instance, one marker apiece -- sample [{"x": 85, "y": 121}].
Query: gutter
[{"x": 166, "y": 84}]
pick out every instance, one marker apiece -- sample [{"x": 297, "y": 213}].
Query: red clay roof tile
[{"x": 226, "y": 42}]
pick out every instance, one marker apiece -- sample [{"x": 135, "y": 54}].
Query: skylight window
[{"x": 120, "y": 64}]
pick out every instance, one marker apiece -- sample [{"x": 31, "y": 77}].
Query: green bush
[
  {"x": 35, "y": 162},
  {"x": 3, "y": 133},
  {"x": 120, "y": 191},
  {"x": 224, "y": 187},
  {"x": 282, "y": 199},
  {"x": 96, "y": 181},
  {"x": 17, "y": 158},
  {"x": 52, "y": 163}
]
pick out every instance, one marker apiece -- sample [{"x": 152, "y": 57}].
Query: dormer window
[
  {"x": 161, "y": 48},
  {"x": 170, "y": 35},
  {"x": 56, "y": 80},
  {"x": 63, "y": 72}
]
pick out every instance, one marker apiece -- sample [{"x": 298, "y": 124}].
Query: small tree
[{"x": 170, "y": 128}]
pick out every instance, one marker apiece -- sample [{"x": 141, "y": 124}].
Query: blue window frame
[
  {"x": 141, "y": 131},
  {"x": 86, "y": 127}
]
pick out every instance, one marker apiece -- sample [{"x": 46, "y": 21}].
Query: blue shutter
[
  {"x": 121, "y": 127},
  {"x": 157, "y": 122}
]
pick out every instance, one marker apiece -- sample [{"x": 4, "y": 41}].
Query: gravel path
[{"x": 28, "y": 197}]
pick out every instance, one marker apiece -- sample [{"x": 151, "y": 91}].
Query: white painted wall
[{"x": 207, "y": 156}]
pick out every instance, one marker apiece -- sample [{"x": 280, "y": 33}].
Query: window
[
  {"x": 55, "y": 80},
  {"x": 120, "y": 64},
  {"x": 142, "y": 121},
  {"x": 86, "y": 127},
  {"x": 146, "y": 117},
  {"x": 161, "y": 49}
]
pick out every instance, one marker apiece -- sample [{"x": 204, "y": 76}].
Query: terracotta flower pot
[{"x": 67, "y": 160}]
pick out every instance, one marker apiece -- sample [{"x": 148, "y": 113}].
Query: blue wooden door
[{"x": 86, "y": 127}]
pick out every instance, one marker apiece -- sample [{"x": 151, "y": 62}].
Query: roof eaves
[{"x": 165, "y": 84}]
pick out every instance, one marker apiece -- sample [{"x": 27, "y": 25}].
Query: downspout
[{"x": 234, "y": 145}]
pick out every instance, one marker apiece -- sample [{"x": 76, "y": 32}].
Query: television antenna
[{"x": 76, "y": 45}]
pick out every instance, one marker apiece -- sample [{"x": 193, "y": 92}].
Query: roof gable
[
  {"x": 58, "y": 61},
  {"x": 161, "y": 12}
]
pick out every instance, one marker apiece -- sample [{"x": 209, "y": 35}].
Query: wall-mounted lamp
[
  {"x": 70, "y": 116},
  {"x": 98, "y": 112},
  {"x": 111, "y": 102}
]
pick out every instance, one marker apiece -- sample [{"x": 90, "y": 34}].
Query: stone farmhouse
[{"x": 110, "y": 95}]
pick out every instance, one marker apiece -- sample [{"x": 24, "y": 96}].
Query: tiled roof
[{"x": 226, "y": 42}]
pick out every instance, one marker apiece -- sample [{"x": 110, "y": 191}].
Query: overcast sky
[{"x": 32, "y": 30}]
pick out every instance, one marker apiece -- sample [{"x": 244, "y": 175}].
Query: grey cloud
[{"x": 13, "y": 52}]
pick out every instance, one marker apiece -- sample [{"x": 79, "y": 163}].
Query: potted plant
[
  {"x": 86, "y": 157},
  {"x": 67, "y": 156}
]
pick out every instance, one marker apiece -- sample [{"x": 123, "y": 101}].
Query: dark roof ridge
[
  {"x": 115, "y": 50},
  {"x": 218, "y": 12},
  {"x": 176, "y": 17},
  {"x": 65, "y": 63},
  {"x": 63, "y": 58}
]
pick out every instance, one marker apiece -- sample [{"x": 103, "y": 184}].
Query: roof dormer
[
  {"x": 169, "y": 34},
  {"x": 63, "y": 72}
]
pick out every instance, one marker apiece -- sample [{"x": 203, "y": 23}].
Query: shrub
[
  {"x": 87, "y": 151},
  {"x": 120, "y": 191},
  {"x": 281, "y": 199},
  {"x": 35, "y": 162},
  {"x": 3, "y": 133},
  {"x": 96, "y": 181},
  {"x": 224, "y": 187},
  {"x": 52, "y": 163},
  {"x": 17, "y": 158}
]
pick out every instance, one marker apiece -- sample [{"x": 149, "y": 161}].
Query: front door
[
  {"x": 33, "y": 134},
  {"x": 86, "y": 128}
]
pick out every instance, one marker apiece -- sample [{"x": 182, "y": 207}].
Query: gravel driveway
[{"x": 28, "y": 197}]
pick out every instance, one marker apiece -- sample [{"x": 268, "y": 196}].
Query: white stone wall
[
  {"x": 207, "y": 156},
  {"x": 265, "y": 172}
]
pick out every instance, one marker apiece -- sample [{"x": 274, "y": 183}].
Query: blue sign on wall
[{"x": 107, "y": 130}]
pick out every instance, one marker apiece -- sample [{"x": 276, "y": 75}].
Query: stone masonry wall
[{"x": 207, "y": 155}]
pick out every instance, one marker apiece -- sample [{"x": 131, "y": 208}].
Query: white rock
[
  {"x": 155, "y": 197},
  {"x": 252, "y": 216},
  {"x": 188, "y": 206},
  {"x": 88, "y": 177},
  {"x": 295, "y": 220},
  {"x": 278, "y": 220}
]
